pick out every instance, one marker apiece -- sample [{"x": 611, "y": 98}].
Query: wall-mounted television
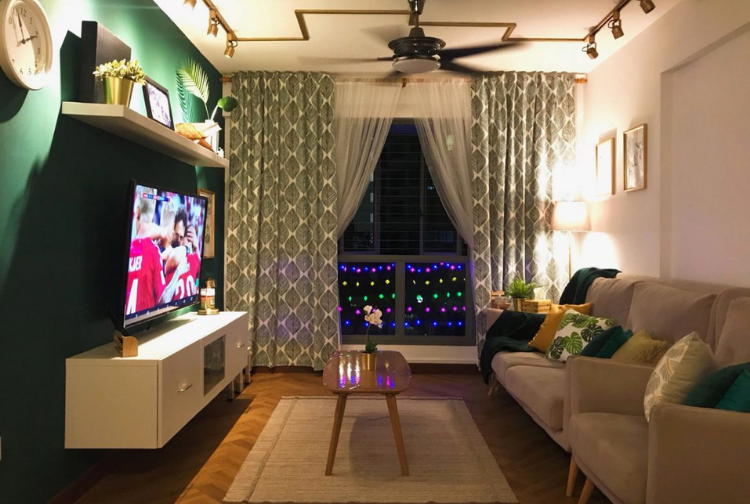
[{"x": 164, "y": 252}]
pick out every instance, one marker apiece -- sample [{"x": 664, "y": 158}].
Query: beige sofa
[{"x": 669, "y": 309}]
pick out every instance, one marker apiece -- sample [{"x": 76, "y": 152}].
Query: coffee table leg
[
  {"x": 337, "y": 420},
  {"x": 396, "y": 424}
]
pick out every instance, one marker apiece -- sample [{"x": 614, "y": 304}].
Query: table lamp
[{"x": 570, "y": 216}]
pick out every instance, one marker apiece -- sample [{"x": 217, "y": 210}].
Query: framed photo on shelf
[
  {"x": 209, "y": 241},
  {"x": 158, "y": 107},
  {"x": 605, "y": 167},
  {"x": 635, "y": 158}
]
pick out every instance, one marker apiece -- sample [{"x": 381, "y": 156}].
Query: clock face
[{"x": 26, "y": 56}]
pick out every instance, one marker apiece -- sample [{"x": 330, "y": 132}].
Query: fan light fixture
[
  {"x": 213, "y": 24},
  {"x": 189, "y": 4},
  {"x": 647, "y": 6},
  {"x": 231, "y": 45},
  {"x": 416, "y": 65},
  {"x": 590, "y": 48},
  {"x": 615, "y": 24}
]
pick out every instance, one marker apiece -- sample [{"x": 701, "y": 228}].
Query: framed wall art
[
  {"x": 605, "y": 167},
  {"x": 635, "y": 158},
  {"x": 158, "y": 107},
  {"x": 209, "y": 241}
]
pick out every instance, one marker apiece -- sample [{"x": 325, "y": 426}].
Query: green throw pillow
[
  {"x": 713, "y": 387},
  {"x": 596, "y": 344},
  {"x": 618, "y": 339},
  {"x": 575, "y": 331},
  {"x": 737, "y": 397}
]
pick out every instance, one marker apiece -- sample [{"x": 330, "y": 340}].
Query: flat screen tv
[{"x": 164, "y": 253}]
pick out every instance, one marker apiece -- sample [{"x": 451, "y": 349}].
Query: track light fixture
[
  {"x": 189, "y": 4},
  {"x": 231, "y": 45},
  {"x": 590, "y": 48},
  {"x": 647, "y": 5},
  {"x": 213, "y": 24},
  {"x": 615, "y": 24}
]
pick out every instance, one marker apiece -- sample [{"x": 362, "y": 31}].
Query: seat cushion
[
  {"x": 611, "y": 298},
  {"x": 541, "y": 389},
  {"x": 668, "y": 313},
  {"x": 733, "y": 344},
  {"x": 503, "y": 361},
  {"x": 615, "y": 448}
]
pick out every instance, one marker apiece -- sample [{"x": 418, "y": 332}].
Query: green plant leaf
[
  {"x": 194, "y": 80},
  {"x": 371, "y": 347},
  {"x": 227, "y": 103},
  {"x": 185, "y": 101},
  {"x": 588, "y": 333},
  {"x": 555, "y": 350},
  {"x": 573, "y": 343}
]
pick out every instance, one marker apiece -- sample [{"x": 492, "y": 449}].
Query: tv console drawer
[{"x": 180, "y": 390}]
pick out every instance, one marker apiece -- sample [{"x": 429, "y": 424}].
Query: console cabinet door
[
  {"x": 180, "y": 390},
  {"x": 237, "y": 346}
]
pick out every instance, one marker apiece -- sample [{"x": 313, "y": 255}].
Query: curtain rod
[{"x": 580, "y": 79}]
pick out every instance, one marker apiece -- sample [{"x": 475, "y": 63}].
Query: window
[{"x": 402, "y": 254}]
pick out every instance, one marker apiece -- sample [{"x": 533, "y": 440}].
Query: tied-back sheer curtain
[
  {"x": 523, "y": 132},
  {"x": 364, "y": 111},
  {"x": 443, "y": 120}
]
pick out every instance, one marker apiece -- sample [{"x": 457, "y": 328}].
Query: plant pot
[
  {"x": 369, "y": 361},
  {"x": 118, "y": 91},
  {"x": 518, "y": 304}
]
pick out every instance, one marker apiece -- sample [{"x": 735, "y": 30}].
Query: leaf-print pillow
[{"x": 574, "y": 333}]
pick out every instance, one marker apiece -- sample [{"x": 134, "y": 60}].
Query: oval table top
[{"x": 345, "y": 373}]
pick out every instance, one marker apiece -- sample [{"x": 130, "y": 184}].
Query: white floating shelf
[{"x": 126, "y": 123}]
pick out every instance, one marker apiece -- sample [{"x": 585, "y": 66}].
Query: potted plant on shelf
[
  {"x": 519, "y": 290},
  {"x": 369, "y": 354},
  {"x": 119, "y": 78}
]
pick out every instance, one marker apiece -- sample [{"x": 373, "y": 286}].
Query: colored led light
[
  {"x": 453, "y": 267},
  {"x": 435, "y": 295},
  {"x": 380, "y": 268},
  {"x": 372, "y": 284},
  {"x": 428, "y": 270},
  {"x": 393, "y": 324},
  {"x": 412, "y": 270},
  {"x": 419, "y": 298},
  {"x": 464, "y": 308},
  {"x": 364, "y": 297},
  {"x": 359, "y": 270},
  {"x": 381, "y": 296},
  {"x": 388, "y": 268},
  {"x": 459, "y": 323},
  {"x": 447, "y": 294},
  {"x": 339, "y": 308},
  {"x": 358, "y": 312},
  {"x": 427, "y": 309},
  {"x": 357, "y": 284},
  {"x": 434, "y": 324},
  {"x": 441, "y": 280},
  {"x": 455, "y": 308},
  {"x": 450, "y": 324},
  {"x": 344, "y": 283},
  {"x": 454, "y": 279},
  {"x": 408, "y": 308},
  {"x": 459, "y": 294},
  {"x": 347, "y": 322},
  {"x": 442, "y": 310},
  {"x": 393, "y": 296},
  {"x": 418, "y": 322},
  {"x": 367, "y": 324},
  {"x": 387, "y": 282},
  {"x": 427, "y": 282},
  {"x": 388, "y": 310},
  {"x": 350, "y": 298},
  {"x": 406, "y": 324},
  {"x": 459, "y": 266}
]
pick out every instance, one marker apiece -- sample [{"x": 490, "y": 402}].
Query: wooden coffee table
[{"x": 344, "y": 374}]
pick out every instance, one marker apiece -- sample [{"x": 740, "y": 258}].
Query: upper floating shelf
[{"x": 129, "y": 124}]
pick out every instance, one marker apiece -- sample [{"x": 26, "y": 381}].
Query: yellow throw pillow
[
  {"x": 543, "y": 338},
  {"x": 641, "y": 349}
]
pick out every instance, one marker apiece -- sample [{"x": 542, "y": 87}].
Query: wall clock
[{"x": 25, "y": 43}]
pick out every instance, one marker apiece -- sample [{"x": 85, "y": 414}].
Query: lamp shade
[{"x": 570, "y": 216}]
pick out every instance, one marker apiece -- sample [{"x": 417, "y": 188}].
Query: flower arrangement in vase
[
  {"x": 369, "y": 354},
  {"x": 119, "y": 78}
]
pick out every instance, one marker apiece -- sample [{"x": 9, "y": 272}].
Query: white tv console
[{"x": 143, "y": 401}]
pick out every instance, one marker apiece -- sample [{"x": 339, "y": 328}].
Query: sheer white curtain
[
  {"x": 363, "y": 114},
  {"x": 443, "y": 119}
]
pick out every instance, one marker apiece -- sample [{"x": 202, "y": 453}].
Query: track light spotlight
[
  {"x": 189, "y": 4},
  {"x": 213, "y": 24},
  {"x": 590, "y": 48},
  {"x": 231, "y": 45},
  {"x": 615, "y": 24},
  {"x": 647, "y": 5}
]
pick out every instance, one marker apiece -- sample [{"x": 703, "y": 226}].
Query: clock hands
[
  {"x": 20, "y": 25},
  {"x": 30, "y": 38}
]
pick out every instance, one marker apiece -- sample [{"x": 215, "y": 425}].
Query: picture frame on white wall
[
  {"x": 605, "y": 167},
  {"x": 635, "y": 158}
]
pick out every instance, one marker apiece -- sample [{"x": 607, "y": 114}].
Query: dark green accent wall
[{"x": 63, "y": 188}]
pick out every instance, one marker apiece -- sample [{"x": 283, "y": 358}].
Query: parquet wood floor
[{"x": 199, "y": 464}]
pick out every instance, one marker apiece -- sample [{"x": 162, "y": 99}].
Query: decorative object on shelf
[
  {"x": 208, "y": 240},
  {"x": 369, "y": 354},
  {"x": 536, "y": 305},
  {"x": 119, "y": 78},
  {"x": 126, "y": 346},
  {"x": 605, "y": 167},
  {"x": 194, "y": 132},
  {"x": 570, "y": 216},
  {"x": 519, "y": 290},
  {"x": 158, "y": 107},
  {"x": 98, "y": 46},
  {"x": 26, "y": 51},
  {"x": 208, "y": 298},
  {"x": 635, "y": 158},
  {"x": 499, "y": 301}
]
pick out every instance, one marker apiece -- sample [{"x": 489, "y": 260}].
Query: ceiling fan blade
[
  {"x": 450, "y": 66},
  {"x": 386, "y": 58},
  {"x": 393, "y": 75},
  {"x": 334, "y": 61},
  {"x": 462, "y": 52}
]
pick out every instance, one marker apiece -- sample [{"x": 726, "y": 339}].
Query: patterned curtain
[
  {"x": 523, "y": 132},
  {"x": 281, "y": 243}
]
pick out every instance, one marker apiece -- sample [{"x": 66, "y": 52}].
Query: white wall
[{"x": 631, "y": 230}]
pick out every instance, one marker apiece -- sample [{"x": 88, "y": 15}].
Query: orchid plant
[
  {"x": 373, "y": 319},
  {"x": 122, "y": 69}
]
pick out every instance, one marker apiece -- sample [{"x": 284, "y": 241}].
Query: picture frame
[
  {"x": 605, "y": 167},
  {"x": 158, "y": 106},
  {"x": 209, "y": 240},
  {"x": 635, "y": 158}
]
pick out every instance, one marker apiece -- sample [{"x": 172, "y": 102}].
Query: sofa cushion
[
  {"x": 737, "y": 397},
  {"x": 574, "y": 333},
  {"x": 641, "y": 348},
  {"x": 616, "y": 447},
  {"x": 668, "y": 313},
  {"x": 733, "y": 345},
  {"x": 711, "y": 389},
  {"x": 503, "y": 361},
  {"x": 546, "y": 333},
  {"x": 540, "y": 389},
  {"x": 611, "y": 298}
]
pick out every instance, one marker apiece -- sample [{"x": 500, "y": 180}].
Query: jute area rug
[{"x": 449, "y": 462}]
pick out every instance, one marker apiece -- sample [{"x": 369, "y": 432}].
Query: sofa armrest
[
  {"x": 698, "y": 455},
  {"x": 600, "y": 385},
  {"x": 492, "y": 315}
]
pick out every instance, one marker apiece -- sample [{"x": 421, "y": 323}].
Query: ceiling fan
[{"x": 418, "y": 53}]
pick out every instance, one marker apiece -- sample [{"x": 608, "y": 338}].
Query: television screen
[{"x": 165, "y": 252}]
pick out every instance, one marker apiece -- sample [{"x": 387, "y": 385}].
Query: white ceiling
[{"x": 361, "y": 36}]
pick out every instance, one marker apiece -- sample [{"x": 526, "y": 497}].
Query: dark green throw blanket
[
  {"x": 575, "y": 291},
  {"x": 513, "y": 330}
]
